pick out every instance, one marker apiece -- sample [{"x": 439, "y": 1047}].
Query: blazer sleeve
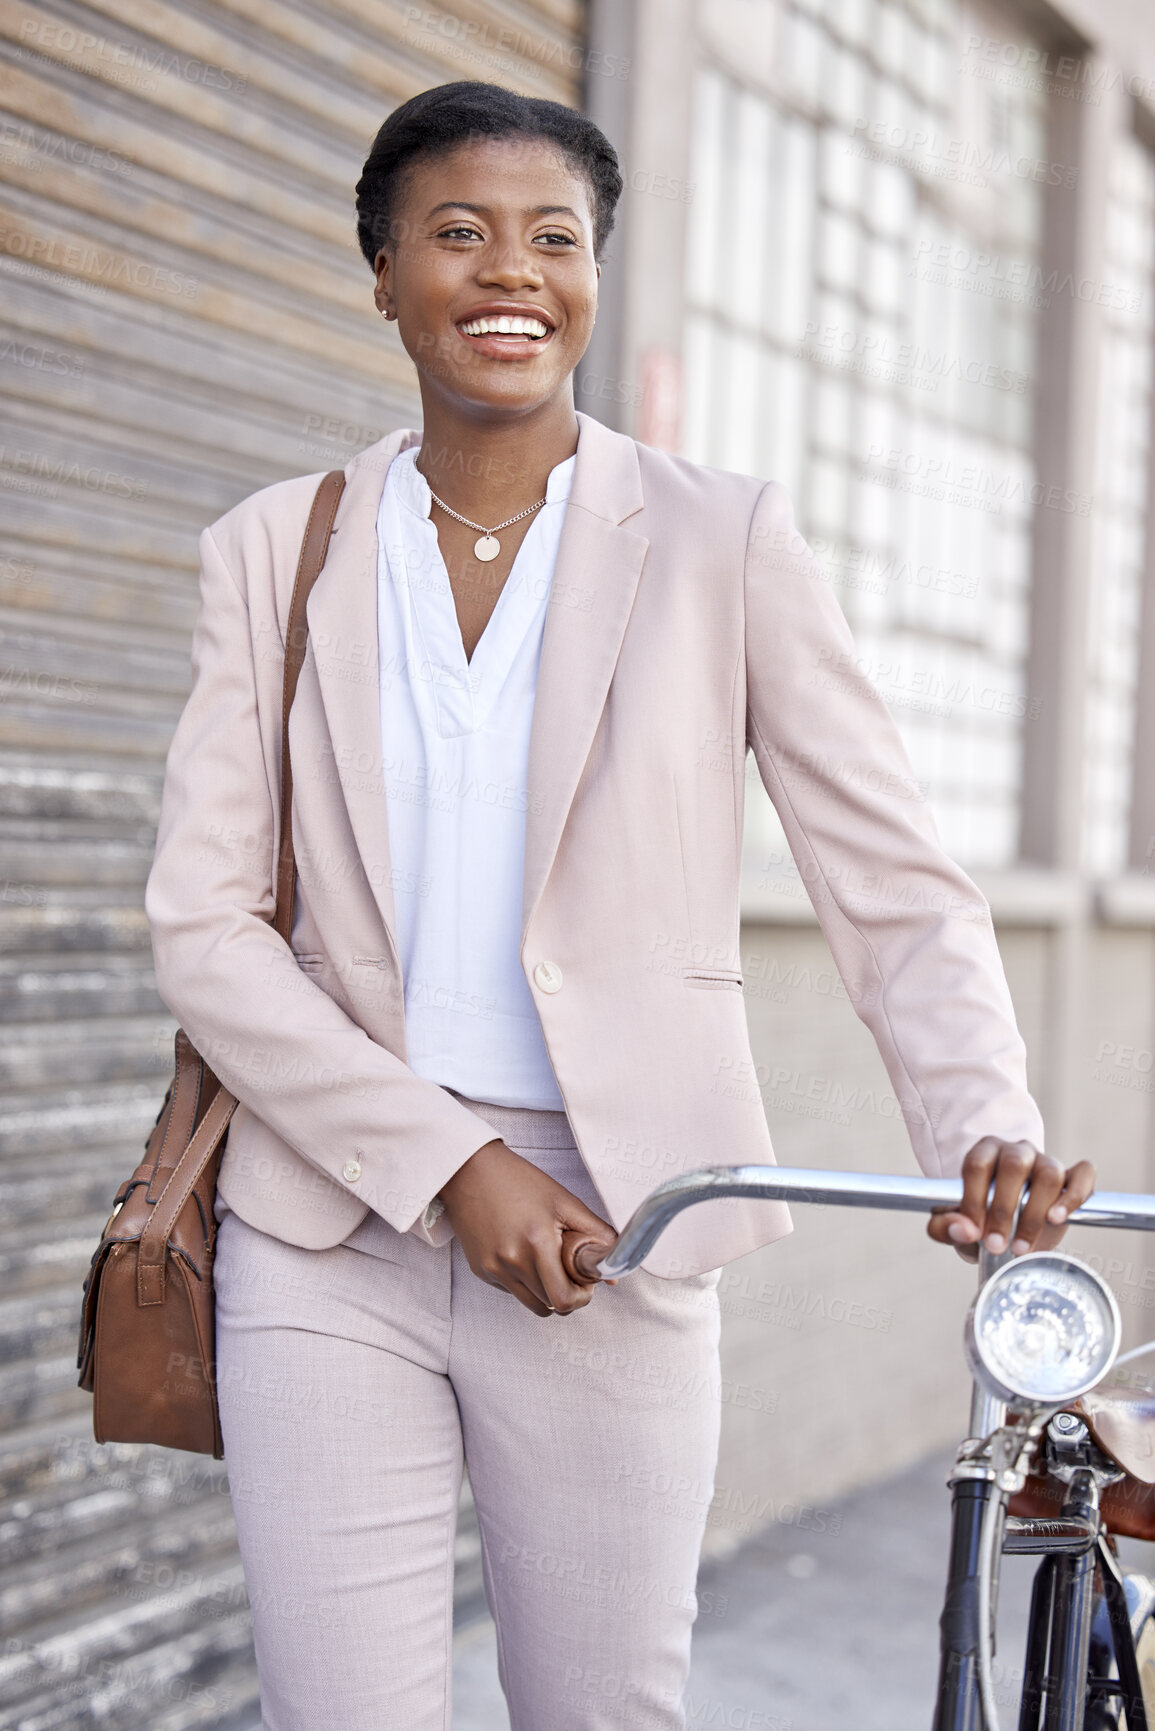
[
  {"x": 910, "y": 933},
  {"x": 294, "y": 1058}
]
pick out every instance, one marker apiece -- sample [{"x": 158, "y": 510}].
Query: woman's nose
[{"x": 510, "y": 267}]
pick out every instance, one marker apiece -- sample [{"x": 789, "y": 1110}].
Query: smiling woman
[{"x": 515, "y": 872}]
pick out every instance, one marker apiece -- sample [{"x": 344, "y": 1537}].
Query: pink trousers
[{"x": 355, "y": 1383}]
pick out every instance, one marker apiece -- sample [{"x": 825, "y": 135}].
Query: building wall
[
  {"x": 916, "y": 285},
  {"x": 186, "y": 318}
]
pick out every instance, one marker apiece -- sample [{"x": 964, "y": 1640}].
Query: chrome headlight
[{"x": 1043, "y": 1329}]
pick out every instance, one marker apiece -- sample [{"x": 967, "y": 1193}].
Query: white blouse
[{"x": 455, "y": 738}]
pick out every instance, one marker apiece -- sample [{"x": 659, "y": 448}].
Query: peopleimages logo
[
  {"x": 959, "y": 158},
  {"x": 480, "y": 40},
  {"x": 1057, "y": 73},
  {"x": 19, "y": 141},
  {"x": 969, "y": 481},
  {"x": 63, "y": 40},
  {"x": 952, "y": 691},
  {"x": 58, "y": 472},
  {"x": 1021, "y": 275},
  {"x": 102, "y": 267},
  {"x": 835, "y": 345}
]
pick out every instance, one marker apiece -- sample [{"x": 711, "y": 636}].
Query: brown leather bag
[{"x": 147, "y": 1348}]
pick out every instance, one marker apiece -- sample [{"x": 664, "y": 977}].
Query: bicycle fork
[
  {"x": 1057, "y": 1685},
  {"x": 958, "y": 1707}
]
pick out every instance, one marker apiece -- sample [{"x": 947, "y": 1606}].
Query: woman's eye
[
  {"x": 460, "y": 231},
  {"x": 558, "y": 238}
]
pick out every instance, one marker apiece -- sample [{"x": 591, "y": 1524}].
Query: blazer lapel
[
  {"x": 594, "y": 582},
  {"x": 342, "y": 613}
]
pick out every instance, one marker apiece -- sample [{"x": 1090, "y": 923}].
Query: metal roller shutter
[{"x": 185, "y": 318}]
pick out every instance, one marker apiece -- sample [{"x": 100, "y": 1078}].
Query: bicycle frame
[{"x": 1061, "y": 1602}]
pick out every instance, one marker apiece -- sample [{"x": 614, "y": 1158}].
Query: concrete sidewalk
[{"x": 836, "y": 1631}]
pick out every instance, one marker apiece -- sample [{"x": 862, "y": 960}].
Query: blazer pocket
[
  {"x": 309, "y": 962},
  {"x": 713, "y": 979}
]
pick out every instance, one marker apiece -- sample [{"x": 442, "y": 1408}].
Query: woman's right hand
[{"x": 520, "y": 1230}]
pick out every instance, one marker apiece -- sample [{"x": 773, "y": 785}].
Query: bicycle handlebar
[{"x": 841, "y": 1189}]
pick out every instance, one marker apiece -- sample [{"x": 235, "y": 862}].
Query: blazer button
[
  {"x": 351, "y": 1171},
  {"x": 548, "y": 976}
]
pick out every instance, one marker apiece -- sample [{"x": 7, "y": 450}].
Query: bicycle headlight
[{"x": 1044, "y": 1329}]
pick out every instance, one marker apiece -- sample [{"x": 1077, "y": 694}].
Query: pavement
[{"x": 833, "y": 1630}]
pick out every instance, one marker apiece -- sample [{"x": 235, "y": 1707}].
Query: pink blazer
[{"x": 687, "y": 620}]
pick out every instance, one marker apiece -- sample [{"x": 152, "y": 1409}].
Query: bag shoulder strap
[
  {"x": 204, "y": 1143},
  {"x": 153, "y": 1243},
  {"x": 314, "y": 547}
]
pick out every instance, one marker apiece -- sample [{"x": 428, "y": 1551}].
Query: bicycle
[{"x": 1059, "y": 1462}]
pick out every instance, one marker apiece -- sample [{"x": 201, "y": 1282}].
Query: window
[
  {"x": 1119, "y": 512},
  {"x": 863, "y": 285}
]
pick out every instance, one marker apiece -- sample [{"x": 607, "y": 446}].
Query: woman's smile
[{"x": 507, "y": 330}]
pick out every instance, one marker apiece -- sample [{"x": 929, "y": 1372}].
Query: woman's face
[{"x": 497, "y": 230}]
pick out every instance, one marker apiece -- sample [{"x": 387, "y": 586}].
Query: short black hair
[{"x": 438, "y": 121}]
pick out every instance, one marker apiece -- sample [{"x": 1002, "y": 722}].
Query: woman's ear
[{"x": 382, "y": 294}]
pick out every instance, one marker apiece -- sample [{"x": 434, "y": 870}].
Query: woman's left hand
[{"x": 1054, "y": 1194}]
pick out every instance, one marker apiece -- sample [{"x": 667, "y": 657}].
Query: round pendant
[{"x": 487, "y": 547}]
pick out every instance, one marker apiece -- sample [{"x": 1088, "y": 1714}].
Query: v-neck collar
[{"x": 463, "y": 693}]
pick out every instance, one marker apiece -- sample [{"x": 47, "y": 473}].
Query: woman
[{"x": 513, "y": 999}]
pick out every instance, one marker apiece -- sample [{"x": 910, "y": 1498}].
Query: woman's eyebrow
[
  {"x": 457, "y": 204},
  {"x": 483, "y": 209}
]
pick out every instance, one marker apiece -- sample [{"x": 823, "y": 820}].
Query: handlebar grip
[{"x": 580, "y": 1258}]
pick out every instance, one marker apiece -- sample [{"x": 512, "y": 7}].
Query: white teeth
[{"x": 508, "y": 325}]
